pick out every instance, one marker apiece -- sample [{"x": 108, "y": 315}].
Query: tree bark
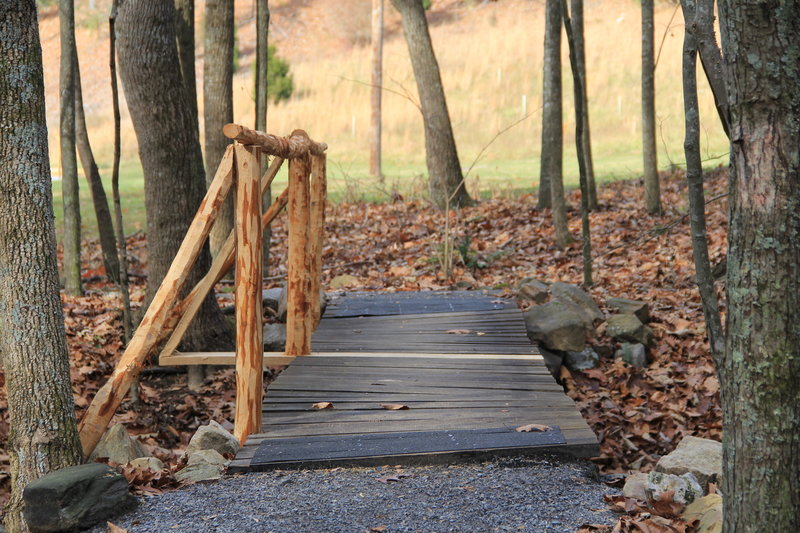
[
  {"x": 43, "y": 434},
  {"x": 169, "y": 151},
  {"x": 262, "y": 64},
  {"x": 760, "y": 371},
  {"x": 184, "y": 37},
  {"x": 697, "y": 202},
  {"x": 552, "y": 133},
  {"x": 69, "y": 161},
  {"x": 377, "y": 88},
  {"x": 702, "y": 28},
  {"x": 576, "y": 8},
  {"x": 446, "y": 180},
  {"x": 102, "y": 213},
  {"x": 652, "y": 191},
  {"x": 580, "y": 104},
  {"x": 218, "y": 102}
]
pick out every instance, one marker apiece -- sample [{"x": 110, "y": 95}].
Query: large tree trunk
[
  {"x": 551, "y": 173},
  {"x": 760, "y": 372},
  {"x": 218, "y": 101},
  {"x": 576, "y": 8},
  {"x": 652, "y": 191},
  {"x": 99, "y": 199},
  {"x": 262, "y": 63},
  {"x": 169, "y": 151},
  {"x": 33, "y": 345},
  {"x": 69, "y": 161},
  {"x": 377, "y": 89},
  {"x": 446, "y": 181}
]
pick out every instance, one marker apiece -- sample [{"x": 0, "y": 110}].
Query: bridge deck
[{"x": 411, "y": 388}]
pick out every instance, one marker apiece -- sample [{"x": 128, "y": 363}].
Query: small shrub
[{"x": 280, "y": 84}]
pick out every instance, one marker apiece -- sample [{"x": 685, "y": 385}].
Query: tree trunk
[
  {"x": 580, "y": 104},
  {"x": 377, "y": 88},
  {"x": 576, "y": 7},
  {"x": 694, "y": 177},
  {"x": 652, "y": 191},
  {"x": 761, "y": 368},
  {"x": 43, "y": 434},
  {"x": 552, "y": 134},
  {"x": 102, "y": 213},
  {"x": 169, "y": 151},
  {"x": 218, "y": 102},
  {"x": 184, "y": 37},
  {"x": 69, "y": 161},
  {"x": 262, "y": 62},
  {"x": 446, "y": 180},
  {"x": 711, "y": 58}
]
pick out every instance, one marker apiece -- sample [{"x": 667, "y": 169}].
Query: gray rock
[
  {"x": 557, "y": 326},
  {"x": 534, "y": 291},
  {"x": 695, "y": 455},
  {"x": 75, "y": 498},
  {"x": 686, "y": 487},
  {"x": 149, "y": 463},
  {"x": 323, "y": 302},
  {"x": 633, "y": 354},
  {"x": 628, "y": 328},
  {"x": 552, "y": 360},
  {"x": 571, "y": 294},
  {"x": 630, "y": 307},
  {"x": 213, "y": 437},
  {"x": 583, "y": 360},
  {"x": 635, "y": 486},
  {"x": 274, "y": 337},
  {"x": 271, "y": 297},
  {"x": 202, "y": 465},
  {"x": 118, "y": 447}
]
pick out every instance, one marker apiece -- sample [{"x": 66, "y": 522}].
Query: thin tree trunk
[
  {"x": 446, "y": 180},
  {"x": 169, "y": 151},
  {"x": 43, "y": 435},
  {"x": 69, "y": 161},
  {"x": 184, "y": 32},
  {"x": 218, "y": 102},
  {"x": 697, "y": 203},
  {"x": 552, "y": 132},
  {"x": 652, "y": 190},
  {"x": 377, "y": 88},
  {"x": 122, "y": 249},
  {"x": 760, "y": 371},
  {"x": 576, "y": 7},
  {"x": 580, "y": 105},
  {"x": 711, "y": 58},
  {"x": 262, "y": 62},
  {"x": 105, "y": 227}
]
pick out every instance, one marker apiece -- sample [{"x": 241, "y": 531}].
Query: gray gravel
[{"x": 542, "y": 494}]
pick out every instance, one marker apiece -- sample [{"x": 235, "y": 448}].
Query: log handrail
[{"x": 298, "y": 144}]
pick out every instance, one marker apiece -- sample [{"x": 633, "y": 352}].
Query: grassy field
[{"x": 490, "y": 56}]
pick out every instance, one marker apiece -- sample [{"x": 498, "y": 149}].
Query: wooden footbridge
[{"x": 394, "y": 377}]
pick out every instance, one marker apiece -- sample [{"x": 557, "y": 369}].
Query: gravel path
[{"x": 542, "y": 494}]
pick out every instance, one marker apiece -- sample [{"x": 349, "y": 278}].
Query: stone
[
  {"x": 707, "y": 511},
  {"x": 571, "y": 294},
  {"x": 686, "y": 487},
  {"x": 118, "y": 447},
  {"x": 628, "y": 328},
  {"x": 213, "y": 437},
  {"x": 630, "y": 307},
  {"x": 635, "y": 486},
  {"x": 583, "y": 360},
  {"x": 343, "y": 280},
  {"x": 281, "y": 316},
  {"x": 202, "y": 465},
  {"x": 534, "y": 291},
  {"x": 553, "y": 361},
  {"x": 695, "y": 455},
  {"x": 76, "y": 497},
  {"x": 271, "y": 297},
  {"x": 274, "y": 337},
  {"x": 148, "y": 463},
  {"x": 633, "y": 354},
  {"x": 557, "y": 326}
]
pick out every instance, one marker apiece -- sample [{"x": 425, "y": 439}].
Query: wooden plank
[
  {"x": 298, "y": 340},
  {"x": 301, "y": 404},
  {"x": 358, "y": 304},
  {"x": 271, "y": 359},
  {"x": 451, "y": 416},
  {"x": 249, "y": 331},
  {"x": 316, "y": 236},
  {"x": 144, "y": 341}
]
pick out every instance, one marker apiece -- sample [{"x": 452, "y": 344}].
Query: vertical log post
[
  {"x": 316, "y": 226},
  {"x": 298, "y": 341},
  {"x": 249, "y": 332}
]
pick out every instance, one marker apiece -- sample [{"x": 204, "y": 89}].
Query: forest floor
[{"x": 638, "y": 414}]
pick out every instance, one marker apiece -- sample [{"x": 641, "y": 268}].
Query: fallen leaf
[
  {"x": 459, "y": 331},
  {"x": 394, "y": 477},
  {"x": 533, "y": 427},
  {"x": 376, "y": 529},
  {"x": 394, "y": 406},
  {"x": 112, "y": 528},
  {"x": 323, "y": 405}
]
